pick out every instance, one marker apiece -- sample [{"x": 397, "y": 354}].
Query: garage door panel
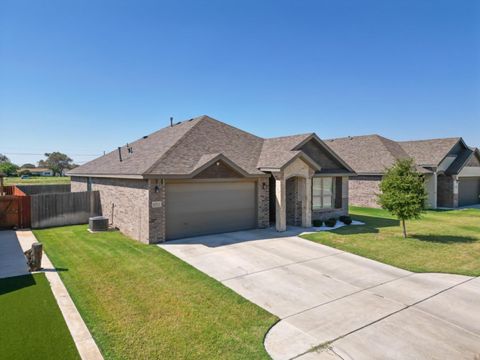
[
  {"x": 207, "y": 208},
  {"x": 469, "y": 191}
]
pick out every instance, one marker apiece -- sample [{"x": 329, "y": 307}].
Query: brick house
[
  {"x": 202, "y": 176},
  {"x": 451, "y": 168}
]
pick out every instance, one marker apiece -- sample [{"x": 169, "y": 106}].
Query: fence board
[{"x": 60, "y": 209}]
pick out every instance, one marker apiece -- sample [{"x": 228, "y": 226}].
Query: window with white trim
[{"x": 323, "y": 193}]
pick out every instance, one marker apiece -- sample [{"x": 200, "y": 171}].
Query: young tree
[
  {"x": 8, "y": 168},
  {"x": 403, "y": 192},
  {"x": 57, "y": 162}
]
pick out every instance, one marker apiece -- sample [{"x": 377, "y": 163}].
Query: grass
[
  {"x": 441, "y": 241},
  {"x": 141, "y": 302},
  {"x": 37, "y": 180},
  {"x": 31, "y": 324}
]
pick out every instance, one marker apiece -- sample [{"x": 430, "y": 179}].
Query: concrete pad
[
  {"x": 322, "y": 354},
  {"x": 459, "y": 305},
  {"x": 323, "y": 295},
  {"x": 356, "y": 270},
  {"x": 416, "y": 287},
  {"x": 287, "y": 290},
  {"x": 234, "y": 262},
  {"x": 12, "y": 260},
  {"x": 409, "y": 334},
  {"x": 326, "y": 323}
]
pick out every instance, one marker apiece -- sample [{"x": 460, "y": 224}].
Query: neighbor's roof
[
  {"x": 429, "y": 152},
  {"x": 189, "y": 146},
  {"x": 369, "y": 154},
  {"x": 37, "y": 169}
]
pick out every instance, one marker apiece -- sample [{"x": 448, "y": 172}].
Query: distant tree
[
  {"x": 28, "y": 166},
  {"x": 403, "y": 192},
  {"x": 4, "y": 158},
  {"x": 57, "y": 162},
  {"x": 8, "y": 168}
]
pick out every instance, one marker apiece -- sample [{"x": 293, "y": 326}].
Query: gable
[
  {"x": 218, "y": 170},
  {"x": 321, "y": 155},
  {"x": 474, "y": 160}
]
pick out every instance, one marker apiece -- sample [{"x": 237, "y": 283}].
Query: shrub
[
  {"x": 347, "y": 220},
  {"x": 330, "y": 222},
  {"x": 317, "y": 223}
]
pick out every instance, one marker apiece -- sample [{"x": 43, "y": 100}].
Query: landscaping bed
[
  {"x": 441, "y": 241},
  {"x": 141, "y": 302},
  {"x": 31, "y": 324}
]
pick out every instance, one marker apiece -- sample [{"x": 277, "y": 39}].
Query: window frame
[{"x": 322, "y": 195}]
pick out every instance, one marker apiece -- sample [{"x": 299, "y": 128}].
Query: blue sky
[{"x": 86, "y": 76}]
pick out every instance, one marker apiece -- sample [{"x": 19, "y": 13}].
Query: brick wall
[
  {"x": 263, "y": 203},
  {"x": 294, "y": 202},
  {"x": 363, "y": 191},
  {"x": 125, "y": 202}
]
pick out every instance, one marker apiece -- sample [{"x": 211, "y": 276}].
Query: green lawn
[
  {"x": 31, "y": 324},
  {"x": 441, "y": 241},
  {"x": 141, "y": 302},
  {"x": 39, "y": 180}
]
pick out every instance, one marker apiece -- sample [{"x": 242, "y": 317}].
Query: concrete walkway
[
  {"x": 336, "y": 305},
  {"x": 13, "y": 263},
  {"x": 12, "y": 260}
]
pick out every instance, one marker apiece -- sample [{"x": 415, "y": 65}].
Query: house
[
  {"x": 203, "y": 176},
  {"x": 451, "y": 168},
  {"x": 40, "y": 171}
]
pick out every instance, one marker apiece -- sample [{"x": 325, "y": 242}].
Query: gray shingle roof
[
  {"x": 429, "y": 152},
  {"x": 369, "y": 154},
  {"x": 184, "y": 148}
]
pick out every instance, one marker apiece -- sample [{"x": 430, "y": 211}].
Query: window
[{"x": 323, "y": 193}]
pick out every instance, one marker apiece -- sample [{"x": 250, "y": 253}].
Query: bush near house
[{"x": 331, "y": 222}]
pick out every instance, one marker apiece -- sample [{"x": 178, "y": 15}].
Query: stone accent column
[
  {"x": 455, "y": 192},
  {"x": 307, "y": 203},
  {"x": 435, "y": 189},
  {"x": 280, "y": 203}
]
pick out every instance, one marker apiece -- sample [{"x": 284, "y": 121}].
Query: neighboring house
[
  {"x": 450, "y": 167},
  {"x": 40, "y": 171},
  {"x": 203, "y": 176}
]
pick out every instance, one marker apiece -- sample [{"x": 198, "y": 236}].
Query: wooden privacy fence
[
  {"x": 14, "y": 211},
  {"x": 44, "y": 189},
  {"x": 59, "y": 209}
]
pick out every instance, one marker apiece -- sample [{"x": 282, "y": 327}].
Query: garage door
[
  {"x": 206, "y": 208},
  {"x": 468, "y": 191}
]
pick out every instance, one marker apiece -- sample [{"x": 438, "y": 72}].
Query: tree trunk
[
  {"x": 404, "y": 229},
  {"x": 34, "y": 257}
]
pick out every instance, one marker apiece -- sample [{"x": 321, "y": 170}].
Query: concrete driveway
[
  {"x": 12, "y": 260},
  {"x": 336, "y": 305}
]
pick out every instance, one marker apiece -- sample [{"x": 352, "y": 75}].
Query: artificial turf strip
[
  {"x": 441, "y": 241},
  {"x": 140, "y": 302},
  {"x": 31, "y": 324}
]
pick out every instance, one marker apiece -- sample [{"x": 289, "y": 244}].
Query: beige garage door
[
  {"x": 469, "y": 191},
  {"x": 199, "y": 208}
]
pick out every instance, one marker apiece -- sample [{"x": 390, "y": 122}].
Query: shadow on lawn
[
  {"x": 15, "y": 283},
  {"x": 372, "y": 224},
  {"x": 445, "y": 239}
]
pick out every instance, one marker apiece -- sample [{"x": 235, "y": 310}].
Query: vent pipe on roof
[
  {"x": 120, "y": 153},
  {"x": 171, "y": 121}
]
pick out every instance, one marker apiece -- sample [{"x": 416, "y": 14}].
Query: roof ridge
[
  {"x": 175, "y": 145},
  {"x": 424, "y": 140}
]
